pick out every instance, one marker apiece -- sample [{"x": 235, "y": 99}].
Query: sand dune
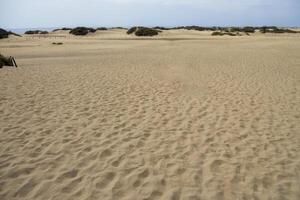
[{"x": 207, "y": 118}]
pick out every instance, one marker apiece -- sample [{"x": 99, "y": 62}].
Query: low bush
[
  {"x": 217, "y": 33},
  {"x": 66, "y": 29},
  {"x": 118, "y": 27},
  {"x": 79, "y": 32},
  {"x": 62, "y": 29},
  {"x": 274, "y": 29},
  {"x": 101, "y": 29},
  {"x": 132, "y": 30},
  {"x": 57, "y": 43},
  {"x": 143, "y": 31},
  {"x": 231, "y": 34},
  {"x": 291, "y": 31},
  {"x": 3, "y": 33},
  {"x": 160, "y": 28},
  {"x": 30, "y": 32},
  {"x": 248, "y": 29},
  {"x": 82, "y": 31}
]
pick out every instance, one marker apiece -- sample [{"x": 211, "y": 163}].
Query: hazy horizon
[{"x": 126, "y": 13}]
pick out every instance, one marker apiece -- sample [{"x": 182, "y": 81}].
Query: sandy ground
[{"x": 182, "y": 116}]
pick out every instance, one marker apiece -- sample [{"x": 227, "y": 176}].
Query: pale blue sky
[{"x": 70, "y": 13}]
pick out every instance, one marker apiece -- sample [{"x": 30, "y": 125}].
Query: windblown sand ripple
[{"x": 151, "y": 119}]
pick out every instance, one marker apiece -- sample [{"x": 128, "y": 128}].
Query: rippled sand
[{"x": 186, "y": 116}]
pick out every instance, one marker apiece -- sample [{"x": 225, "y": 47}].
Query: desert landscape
[{"x": 182, "y": 115}]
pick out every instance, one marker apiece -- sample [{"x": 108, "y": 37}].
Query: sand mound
[{"x": 206, "y": 118}]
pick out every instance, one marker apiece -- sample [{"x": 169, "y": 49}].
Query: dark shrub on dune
[
  {"x": 132, "y": 30},
  {"x": 231, "y": 34},
  {"x": 282, "y": 31},
  {"x": 274, "y": 29},
  {"x": 82, "y": 31},
  {"x": 249, "y": 29},
  {"x": 267, "y": 29},
  {"x": 143, "y": 31},
  {"x": 212, "y": 28},
  {"x": 31, "y": 32},
  {"x": 62, "y": 29},
  {"x": 119, "y": 27},
  {"x": 271, "y": 27},
  {"x": 291, "y": 31},
  {"x": 79, "y": 31},
  {"x": 101, "y": 29},
  {"x": 178, "y": 27},
  {"x": 196, "y": 28},
  {"x": 66, "y": 29},
  {"x": 44, "y": 32},
  {"x": 57, "y": 43},
  {"x": 233, "y": 29},
  {"x": 160, "y": 28},
  {"x": 5, "y": 34},
  {"x": 92, "y": 30},
  {"x": 263, "y": 29},
  {"x": 217, "y": 33}
]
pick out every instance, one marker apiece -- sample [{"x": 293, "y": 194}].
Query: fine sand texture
[{"x": 180, "y": 116}]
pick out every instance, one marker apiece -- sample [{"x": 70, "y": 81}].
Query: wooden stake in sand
[{"x": 14, "y": 62}]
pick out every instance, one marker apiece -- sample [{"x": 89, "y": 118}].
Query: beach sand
[{"x": 181, "y": 116}]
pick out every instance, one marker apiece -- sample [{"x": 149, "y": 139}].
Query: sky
[{"x": 126, "y": 13}]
